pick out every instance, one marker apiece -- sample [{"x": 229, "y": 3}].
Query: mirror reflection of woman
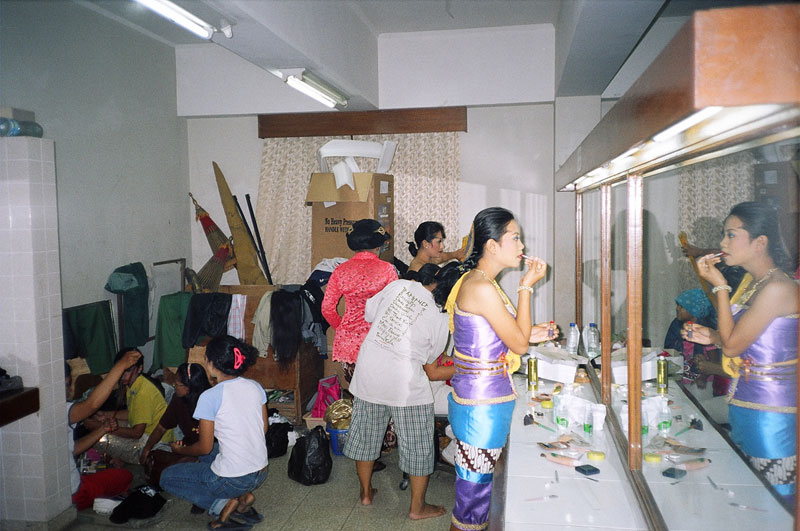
[
  {"x": 428, "y": 248},
  {"x": 758, "y": 337},
  {"x": 487, "y": 332}
]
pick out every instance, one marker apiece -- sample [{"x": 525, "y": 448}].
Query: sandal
[
  {"x": 229, "y": 525},
  {"x": 251, "y": 516}
]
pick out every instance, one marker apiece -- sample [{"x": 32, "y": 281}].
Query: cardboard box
[{"x": 372, "y": 198}]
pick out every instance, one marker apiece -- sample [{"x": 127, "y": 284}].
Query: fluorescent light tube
[
  {"x": 686, "y": 123},
  {"x": 180, "y": 16},
  {"x": 297, "y": 84}
]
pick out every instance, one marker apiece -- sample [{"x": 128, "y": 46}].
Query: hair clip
[
  {"x": 238, "y": 358},
  {"x": 350, "y": 229},
  {"x": 381, "y": 230}
]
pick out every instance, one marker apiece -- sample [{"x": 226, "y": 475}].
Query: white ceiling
[{"x": 595, "y": 36}]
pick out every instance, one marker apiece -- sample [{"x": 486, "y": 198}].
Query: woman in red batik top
[{"x": 357, "y": 280}]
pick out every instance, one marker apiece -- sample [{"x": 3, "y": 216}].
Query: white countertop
[{"x": 610, "y": 503}]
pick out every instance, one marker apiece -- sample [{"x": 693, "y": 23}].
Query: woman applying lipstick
[
  {"x": 759, "y": 334},
  {"x": 487, "y": 331}
]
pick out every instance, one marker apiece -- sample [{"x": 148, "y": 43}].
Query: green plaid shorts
[{"x": 414, "y": 427}]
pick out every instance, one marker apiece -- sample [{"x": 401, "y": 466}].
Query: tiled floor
[{"x": 288, "y": 505}]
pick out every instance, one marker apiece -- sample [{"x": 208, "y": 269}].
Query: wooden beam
[
  {"x": 635, "y": 269},
  {"x": 727, "y": 57},
  {"x": 606, "y": 213},
  {"x": 393, "y": 121}
]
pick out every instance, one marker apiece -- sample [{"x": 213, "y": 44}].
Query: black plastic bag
[
  {"x": 278, "y": 439},
  {"x": 310, "y": 462}
]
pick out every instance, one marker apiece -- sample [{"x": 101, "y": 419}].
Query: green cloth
[
  {"x": 168, "y": 350},
  {"x": 131, "y": 282},
  {"x": 93, "y": 331}
]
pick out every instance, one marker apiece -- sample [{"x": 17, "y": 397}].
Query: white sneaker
[
  {"x": 105, "y": 505},
  {"x": 448, "y": 455}
]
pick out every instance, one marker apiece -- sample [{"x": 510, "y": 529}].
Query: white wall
[
  {"x": 213, "y": 81},
  {"x": 575, "y": 117},
  {"x": 467, "y": 67},
  {"x": 106, "y": 95},
  {"x": 506, "y": 160}
]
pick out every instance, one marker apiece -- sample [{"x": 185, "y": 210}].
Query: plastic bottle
[
  {"x": 573, "y": 338},
  {"x": 664, "y": 418},
  {"x": 593, "y": 341},
  {"x": 9, "y": 127}
]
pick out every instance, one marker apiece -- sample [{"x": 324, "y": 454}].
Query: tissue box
[
  {"x": 619, "y": 363},
  {"x": 556, "y": 364},
  {"x": 373, "y": 198}
]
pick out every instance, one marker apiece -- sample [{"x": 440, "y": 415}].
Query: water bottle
[
  {"x": 593, "y": 341},
  {"x": 664, "y": 419},
  {"x": 9, "y": 127},
  {"x": 573, "y": 338}
]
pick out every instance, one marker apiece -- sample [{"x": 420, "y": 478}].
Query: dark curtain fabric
[
  {"x": 92, "y": 330},
  {"x": 168, "y": 350},
  {"x": 130, "y": 281},
  {"x": 207, "y": 316}
]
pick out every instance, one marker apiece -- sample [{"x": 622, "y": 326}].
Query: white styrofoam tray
[
  {"x": 555, "y": 364},
  {"x": 619, "y": 363}
]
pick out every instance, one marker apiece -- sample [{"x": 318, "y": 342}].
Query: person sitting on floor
[
  {"x": 146, "y": 405},
  {"x": 235, "y": 412},
  {"x": 191, "y": 381},
  {"x": 103, "y": 483}
]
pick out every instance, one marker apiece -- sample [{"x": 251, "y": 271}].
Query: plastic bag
[
  {"x": 338, "y": 414},
  {"x": 310, "y": 462},
  {"x": 328, "y": 392},
  {"x": 277, "y": 438}
]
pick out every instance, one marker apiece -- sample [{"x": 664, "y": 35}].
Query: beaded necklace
[{"x": 752, "y": 289}]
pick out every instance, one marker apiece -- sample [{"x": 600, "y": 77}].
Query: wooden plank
[
  {"x": 606, "y": 214},
  {"x": 392, "y": 121},
  {"x": 18, "y": 403},
  {"x": 635, "y": 269}
]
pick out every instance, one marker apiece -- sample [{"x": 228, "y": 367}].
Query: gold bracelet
[
  {"x": 525, "y": 288},
  {"x": 722, "y": 287}
]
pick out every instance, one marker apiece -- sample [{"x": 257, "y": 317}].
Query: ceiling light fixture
[
  {"x": 314, "y": 87},
  {"x": 180, "y": 16},
  {"x": 686, "y": 123}
]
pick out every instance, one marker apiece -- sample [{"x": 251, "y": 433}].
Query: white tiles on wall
[{"x": 34, "y": 457}]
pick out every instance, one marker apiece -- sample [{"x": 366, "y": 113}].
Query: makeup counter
[
  {"x": 712, "y": 122},
  {"x": 534, "y": 492}
]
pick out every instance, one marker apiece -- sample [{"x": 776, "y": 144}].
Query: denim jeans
[{"x": 198, "y": 484}]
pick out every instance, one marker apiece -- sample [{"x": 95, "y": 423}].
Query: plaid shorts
[{"x": 414, "y": 427}]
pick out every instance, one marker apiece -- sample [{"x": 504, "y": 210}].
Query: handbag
[
  {"x": 158, "y": 460},
  {"x": 328, "y": 392}
]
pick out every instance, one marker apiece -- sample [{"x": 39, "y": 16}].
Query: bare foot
[
  {"x": 245, "y": 502},
  {"x": 366, "y": 499},
  {"x": 428, "y": 511},
  {"x": 231, "y": 506}
]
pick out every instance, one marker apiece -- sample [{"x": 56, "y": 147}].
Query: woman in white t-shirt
[
  {"x": 235, "y": 412},
  {"x": 391, "y": 381}
]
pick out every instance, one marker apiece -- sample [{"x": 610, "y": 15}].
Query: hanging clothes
[
  {"x": 236, "y": 316},
  {"x": 168, "y": 349},
  {"x": 207, "y": 316},
  {"x": 130, "y": 281},
  {"x": 92, "y": 329},
  {"x": 262, "y": 330}
]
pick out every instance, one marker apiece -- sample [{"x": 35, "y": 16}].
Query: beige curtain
[
  {"x": 708, "y": 191},
  {"x": 425, "y": 168}
]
